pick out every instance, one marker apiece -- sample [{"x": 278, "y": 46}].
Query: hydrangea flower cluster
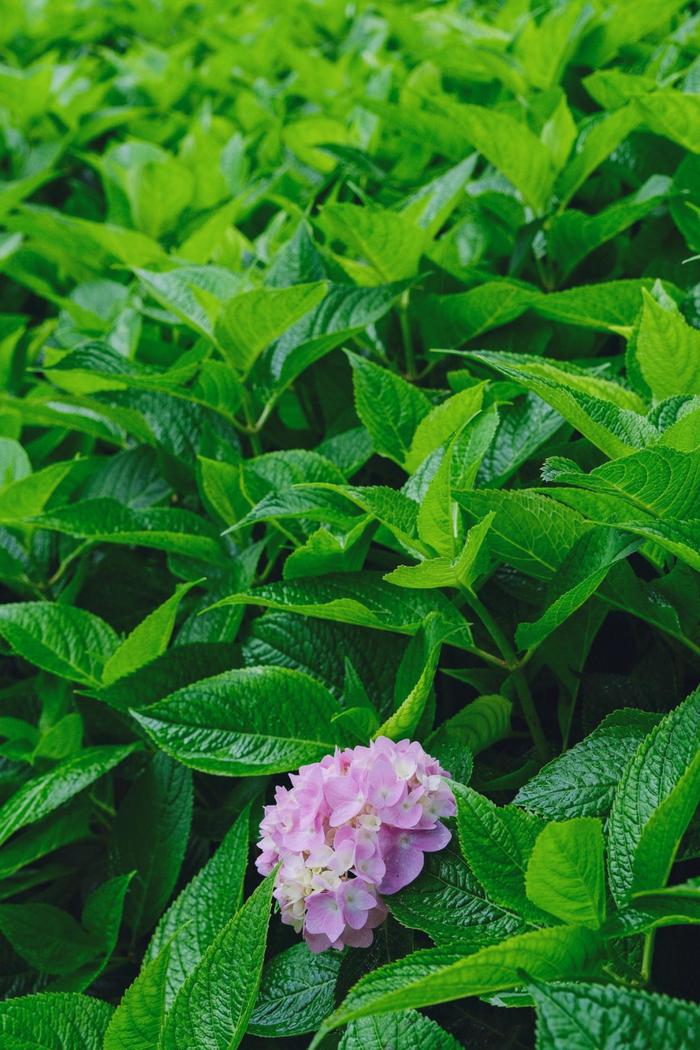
[{"x": 352, "y": 828}]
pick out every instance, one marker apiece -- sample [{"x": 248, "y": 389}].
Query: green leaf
[
  {"x": 404, "y": 1030},
  {"x": 213, "y": 1006},
  {"x": 356, "y": 598},
  {"x": 455, "y": 319},
  {"x": 615, "y": 431},
  {"x": 662, "y": 834},
  {"x": 667, "y": 351},
  {"x": 511, "y": 147},
  {"x": 497, "y": 842},
  {"x": 54, "y": 1021},
  {"x": 566, "y": 871},
  {"x": 439, "y": 975},
  {"x": 596, "y": 144},
  {"x": 108, "y": 521},
  {"x": 389, "y": 407},
  {"x": 656, "y": 481},
  {"x": 161, "y": 800},
  {"x": 148, "y": 640},
  {"x": 137, "y": 1021},
  {"x": 673, "y": 114},
  {"x": 48, "y": 938},
  {"x": 441, "y": 423},
  {"x": 649, "y": 778},
  {"x": 251, "y": 321},
  {"x": 582, "y": 781},
  {"x": 609, "y": 306},
  {"x": 61, "y": 639},
  {"x": 202, "y": 909},
  {"x": 447, "y": 902},
  {"x": 389, "y": 246},
  {"x": 46, "y": 792},
  {"x": 179, "y": 291},
  {"x": 14, "y": 462},
  {"x": 296, "y": 993},
  {"x": 404, "y": 721},
  {"x": 229, "y": 725},
  {"x": 583, "y": 1016},
  {"x": 579, "y": 576},
  {"x": 478, "y": 726},
  {"x": 529, "y": 532}
]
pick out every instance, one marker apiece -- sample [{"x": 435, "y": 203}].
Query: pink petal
[
  {"x": 324, "y": 915},
  {"x": 434, "y": 839},
  {"x": 404, "y": 863}
]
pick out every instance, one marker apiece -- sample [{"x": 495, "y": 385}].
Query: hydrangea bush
[
  {"x": 351, "y": 830},
  {"x": 349, "y": 432}
]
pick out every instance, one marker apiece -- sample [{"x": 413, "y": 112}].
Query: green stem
[
  {"x": 648, "y": 956},
  {"x": 406, "y": 336},
  {"x": 250, "y": 428},
  {"x": 522, "y": 687}
]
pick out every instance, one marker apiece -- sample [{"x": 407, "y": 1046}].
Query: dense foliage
[{"x": 349, "y": 387}]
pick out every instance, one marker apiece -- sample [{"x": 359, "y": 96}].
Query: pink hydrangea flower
[{"x": 351, "y": 829}]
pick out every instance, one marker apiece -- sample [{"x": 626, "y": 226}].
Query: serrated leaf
[
  {"x": 582, "y": 781},
  {"x": 448, "y": 903},
  {"x": 649, "y": 778},
  {"x": 229, "y": 724},
  {"x": 159, "y": 799},
  {"x": 296, "y": 993},
  {"x": 566, "y": 872},
  {"x": 667, "y": 351},
  {"x": 63, "y": 640},
  {"x": 251, "y": 321},
  {"x": 439, "y": 975},
  {"x": 201, "y": 910},
  {"x": 54, "y": 1021},
  {"x": 107, "y": 521},
  {"x": 579, "y": 576},
  {"x": 360, "y": 598},
  {"x": 441, "y": 423},
  {"x": 46, "y": 792},
  {"x": 497, "y": 842},
  {"x": 147, "y": 641},
  {"x": 404, "y": 1030},
  {"x": 603, "y": 1016},
  {"x": 214, "y": 1004},
  {"x": 389, "y": 407},
  {"x": 137, "y": 1021}
]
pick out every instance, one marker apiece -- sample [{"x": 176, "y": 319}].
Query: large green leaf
[
  {"x": 213, "y": 1006},
  {"x": 245, "y": 722},
  {"x": 251, "y": 321},
  {"x": 584, "y": 1016},
  {"x": 566, "y": 871},
  {"x": 439, "y": 975},
  {"x": 362, "y": 598},
  {"x": 159, "y": 799},
  {"x": 202, "y": 909},
  {"x": 404, "y": 1030},
  {"x": 107, "y": 521},
  {"x": 46, "y": 792},
  {"x": 296, "y": 992},
  {"x": 138, "y": 1019},
  {"x": 61, "y": 639},
  {"x": 582, "y": 781},
  {"x": 657, "y": 766},
  {"x": 449, "y": 904},
  {"x": 54, "y": 1021}
]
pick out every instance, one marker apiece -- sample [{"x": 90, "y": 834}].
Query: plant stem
[
  {"x": 250, "y": 428},
  {"x": 648, "y": 956},
  {"x": 406, "y": 336},
  {"x": 522, "y": 688}
]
